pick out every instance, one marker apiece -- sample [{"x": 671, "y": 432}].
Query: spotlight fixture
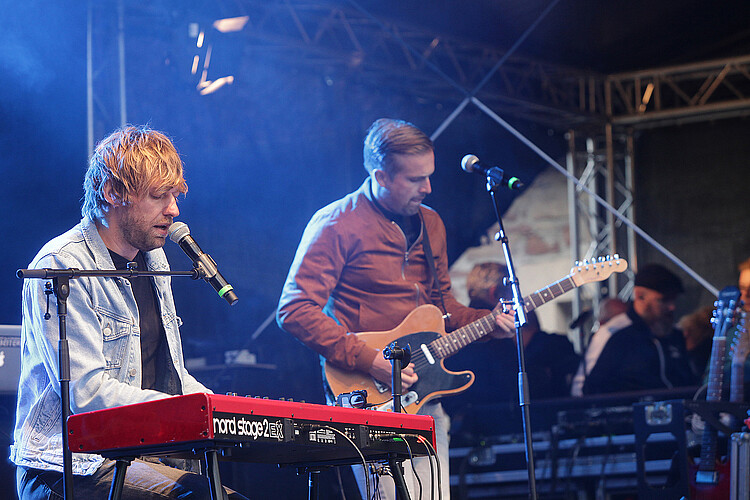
[
  {"x": 213, "y": 86},
  {"x": 231, "y": 24}
]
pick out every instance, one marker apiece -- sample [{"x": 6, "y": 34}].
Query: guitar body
[
  {"x": 434, "y": 380},
  {"x": 711, "y": 491}
]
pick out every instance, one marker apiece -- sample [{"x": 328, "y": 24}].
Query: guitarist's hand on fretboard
[
  {"x": 382, "y": 371},
  {"x": 506, "y": 325}
]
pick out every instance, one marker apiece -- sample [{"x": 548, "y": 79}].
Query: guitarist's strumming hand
[
  {"x": 381, "y": 370},
  {"x": 506, "y": 325}
]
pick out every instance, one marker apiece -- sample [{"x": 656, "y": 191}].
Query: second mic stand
[
  {"x": 399, "y": 357},
  {"x": 61, "y": 288},
  {"x": 520, "y": 321}
]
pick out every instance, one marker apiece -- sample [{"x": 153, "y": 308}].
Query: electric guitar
[
  {"x": 424, "y": 330},
  {"x": 710, "y": 478}
]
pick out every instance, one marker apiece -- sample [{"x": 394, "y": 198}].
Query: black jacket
[{"x": 634, "y": 359}]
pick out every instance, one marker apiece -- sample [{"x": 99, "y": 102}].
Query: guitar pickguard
[{"x": 433, "y": 378}]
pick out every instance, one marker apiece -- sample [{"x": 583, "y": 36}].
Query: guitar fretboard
[{"x": 448, "y": 345}]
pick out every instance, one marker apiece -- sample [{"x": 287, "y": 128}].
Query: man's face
[
  {"x": 744, "y": 286},
  {"x": 145, "y": 222},
  {"x": 404, "y": 192},
  {"x": 656, "y": 309}
]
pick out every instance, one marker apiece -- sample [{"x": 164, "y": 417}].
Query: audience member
[
  {"x": 609, "y": 308},
  {"x": 550, "y": 358},
  {"x": 698, "y": 332},
  {"x": 640, "y": 349}
]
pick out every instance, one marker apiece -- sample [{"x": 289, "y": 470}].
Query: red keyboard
[{"x": 250, "y": 429}]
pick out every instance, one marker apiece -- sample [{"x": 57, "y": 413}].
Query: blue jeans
[{"x": 143, "y": 480}]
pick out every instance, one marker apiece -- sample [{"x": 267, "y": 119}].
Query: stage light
[
  {"x": 646, "y": 97},
  {"x": 231, "y": 24},
  {"x": 217, "y": 84}
]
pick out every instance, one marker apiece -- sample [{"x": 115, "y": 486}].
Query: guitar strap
[{"x": 431, "y": 264}]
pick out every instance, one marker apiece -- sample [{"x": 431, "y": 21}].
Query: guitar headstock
[
  {"x": 727, "y": 310},
  {"x": 590, "y": 271}
]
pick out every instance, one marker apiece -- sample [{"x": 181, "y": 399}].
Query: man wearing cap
[{"x": 644, "y": 350}]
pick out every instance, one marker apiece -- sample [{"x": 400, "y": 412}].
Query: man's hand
[
  {"x": 381, "y": 370},
  {"x": 506, "y": 325}
]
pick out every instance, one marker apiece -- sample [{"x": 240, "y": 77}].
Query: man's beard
[
  {"x": 134, "y": 233},
  {"x": 663, "y": 327}
]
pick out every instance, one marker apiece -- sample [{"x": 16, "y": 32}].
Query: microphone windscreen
[
  {"x": 177, "y": 231},
  {"x": 467, "y": 164}
]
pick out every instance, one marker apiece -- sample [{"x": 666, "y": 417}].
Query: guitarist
[{"x": 366, "y": 261}]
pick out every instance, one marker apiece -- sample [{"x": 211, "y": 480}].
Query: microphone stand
[
  {"x": 399, "y": 357},
  {"x": 520, "y": 320},
  {"x": 61, "y": 287}
]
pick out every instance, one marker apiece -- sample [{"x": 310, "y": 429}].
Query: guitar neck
[{"x": 450, "y": 344}]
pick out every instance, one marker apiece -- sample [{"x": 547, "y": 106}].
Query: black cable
[
  {"x": 364, "y": 462},
  {"x": 341, "y": 483},
  {"x": 432, "y": 473},
  {"x": 413, "y": 468},
  {"x": 573, "y": 457},
  {"x": 431, "y": 452},
  {"x": 429, "y": 446},
  {"x": 605, "y": 458}
]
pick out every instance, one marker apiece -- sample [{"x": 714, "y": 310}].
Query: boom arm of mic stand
[{"x": 520, "y": 320}]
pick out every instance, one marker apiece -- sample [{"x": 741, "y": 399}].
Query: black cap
[{"x": 659, "y": 278}]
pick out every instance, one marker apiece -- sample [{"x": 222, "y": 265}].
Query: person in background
[
  {"x": 641, "y": 347},
  {"x": 550, "y": 358},
  {"x": 738, "y": 340},
  {"x": 365, "y": 262},
  {"x": 698, "y": 332},
  {"x": 123, "y": 334},
  {"x": 609, "y": 308},
  {"x": 744, "y": 283}
]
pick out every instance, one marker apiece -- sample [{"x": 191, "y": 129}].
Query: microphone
[
  {"x": 471, "y": 163},
  {"x": 180, "y": 234}
]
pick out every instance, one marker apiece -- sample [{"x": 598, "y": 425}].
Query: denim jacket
[{"x": 105, "y": 350}]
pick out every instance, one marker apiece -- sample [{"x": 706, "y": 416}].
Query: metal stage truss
[{"x": 598, "y": 112}]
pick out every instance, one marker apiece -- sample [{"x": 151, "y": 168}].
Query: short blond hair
[
  {"x": 132, "y": 159},
  {"x": 744, "y": 265}
]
